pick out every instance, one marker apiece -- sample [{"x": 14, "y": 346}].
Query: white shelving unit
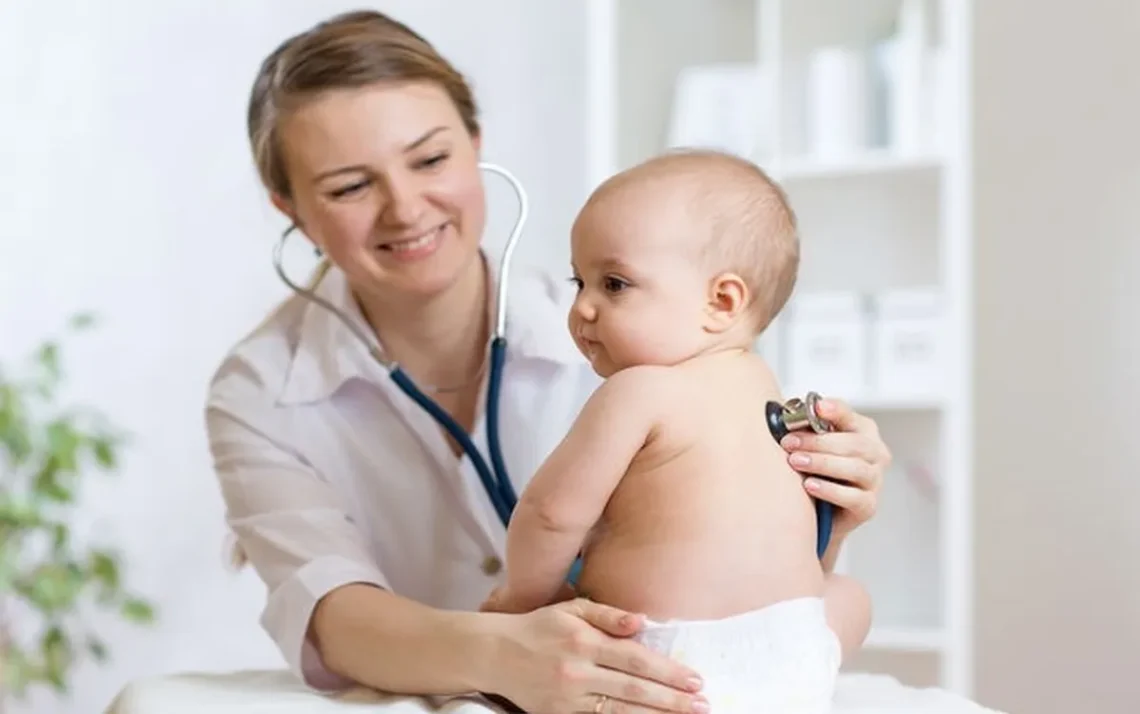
[{"x": 889, "y": 213}]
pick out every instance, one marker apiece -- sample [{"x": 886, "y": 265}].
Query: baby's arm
[
  {"x": 848, "y": 607},
  {"x": 570, "y": 491}
]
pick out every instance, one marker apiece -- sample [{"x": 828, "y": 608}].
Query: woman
[{"x": 369, "y": 527}]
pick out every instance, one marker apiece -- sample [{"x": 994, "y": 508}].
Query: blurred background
[{"x": 967, "y": 177}]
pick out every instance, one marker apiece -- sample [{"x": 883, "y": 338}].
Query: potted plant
[{"x": 49, "y": 582}]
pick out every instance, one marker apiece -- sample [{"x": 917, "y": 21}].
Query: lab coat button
[{"x": 492, "y": 565}]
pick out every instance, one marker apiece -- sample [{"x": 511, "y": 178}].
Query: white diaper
[{"x": 782, "y": 659}]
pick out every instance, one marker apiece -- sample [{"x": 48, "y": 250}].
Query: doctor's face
[{"x": 385, "y": 181}]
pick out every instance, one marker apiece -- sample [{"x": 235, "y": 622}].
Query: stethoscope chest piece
[{"x": 795, "y": 415}]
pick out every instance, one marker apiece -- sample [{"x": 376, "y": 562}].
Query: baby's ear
[{"x": 727, "y": 301}]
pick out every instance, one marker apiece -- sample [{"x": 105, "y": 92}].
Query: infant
[{"x": 669, "y": 483}]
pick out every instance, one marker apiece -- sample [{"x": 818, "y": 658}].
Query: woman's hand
[
  {"x": 577, "y": 657},
  {"x": 853, "y": 455}
]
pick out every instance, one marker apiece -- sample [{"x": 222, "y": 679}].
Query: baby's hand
[{"x": 500, "y": 600}]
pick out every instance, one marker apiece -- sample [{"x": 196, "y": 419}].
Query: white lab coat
[{"x": 332, "y": 475}]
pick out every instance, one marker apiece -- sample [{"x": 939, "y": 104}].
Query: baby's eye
[
  {"x": 576, "y": 282},
  {"x": 614, "y": 285}
]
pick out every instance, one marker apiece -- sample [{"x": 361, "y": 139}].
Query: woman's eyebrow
[{"x": 424, "y": 138}]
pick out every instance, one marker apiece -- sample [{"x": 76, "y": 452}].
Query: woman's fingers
[
  {"x": 635, "y": 677},
  {"x": 634, "y": 662},
  {"x": 628, "y": 656},
  {"x": 846, "y": 420},
  {"x": 837, "y": 443},
  {"x": 851, "y": 470},
  {"x": 840, "y": 414},
  {"x": 611, "y": 620},
  {"x": 857, "y": 502}
]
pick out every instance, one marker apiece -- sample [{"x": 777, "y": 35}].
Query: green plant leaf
[
  {"x": 47, "y": 357},
  {"x": 103, "y": 447},
  {"x": 104, "y": 568},
  {"x": 8, "y": 573},
  {"x": 57, "y": 655},
  {"x": 82, "y": 321},
  {"x": 97, "y": 649},
  {"x": 46, "y": 449},
  {"x": 18, "y": 671},
  {"x": 64, "y": 443},
  {"x": 138, "y": 611},
  {"x": 15, "y": 430},
  {"x": 60, "y": 535},
  {"x": 52, "y": 587},
  {"x": 47, "y": 483},
  {"x": 19, "y": 514}
]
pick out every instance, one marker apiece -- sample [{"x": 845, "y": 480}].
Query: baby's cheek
[{"x": 650, "y": 343}]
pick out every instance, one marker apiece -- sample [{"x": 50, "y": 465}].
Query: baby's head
[{"x": 687, "y": 253}]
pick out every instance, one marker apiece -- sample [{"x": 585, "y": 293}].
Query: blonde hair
[
  {"x": 752, "y": 229},
  {"x": 348, "y": 51}
]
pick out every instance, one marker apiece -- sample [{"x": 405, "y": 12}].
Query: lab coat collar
[{"x": 328, "y": 353}]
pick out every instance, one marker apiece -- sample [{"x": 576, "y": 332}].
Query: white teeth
[{"x": 414, "y": 244}]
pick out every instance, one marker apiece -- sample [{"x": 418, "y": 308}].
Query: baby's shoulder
[
  {"x": 645, "y": 378},
  {"x": 720, "y": 381}
]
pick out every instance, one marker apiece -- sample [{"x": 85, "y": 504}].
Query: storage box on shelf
[
  {"x": 873, "y": 349},
  {"x": 857, "y": 110},
  {"x": 827, "y": 345},
  {"x": 908, "y": 332}
]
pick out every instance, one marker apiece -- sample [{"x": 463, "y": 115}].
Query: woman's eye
[
  {"x": 350, "y": 189},
  {"x": 614, "y": 285},
  {"x": 433, "y": 161}
]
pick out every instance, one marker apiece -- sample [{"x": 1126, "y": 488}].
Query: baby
[{"x": 669, "y": 482}]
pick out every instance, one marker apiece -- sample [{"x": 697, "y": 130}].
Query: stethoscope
[
  {"x": 782, "y": 418},
  {"x": 493, "y": 476},
  {"x": 795, "y": 415}
]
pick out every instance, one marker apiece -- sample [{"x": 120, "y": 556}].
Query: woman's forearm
[{"x": 397, "y": 645}]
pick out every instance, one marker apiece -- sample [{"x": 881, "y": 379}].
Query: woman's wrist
[
  {"x": 397, "y": 645},
  {"x": 477, "y": 634},
  {"x": 481, "y": 636}
]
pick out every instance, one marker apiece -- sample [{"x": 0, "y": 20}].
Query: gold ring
[{"x": 601, "y": 703}]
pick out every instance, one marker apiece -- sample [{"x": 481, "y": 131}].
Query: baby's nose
[{"x": 585, "y": 309}]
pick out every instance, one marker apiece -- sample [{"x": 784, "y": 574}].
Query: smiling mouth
[{"x": 414, "y": 244}]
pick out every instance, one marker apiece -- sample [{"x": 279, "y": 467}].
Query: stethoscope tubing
[{"x": 493, "y": 477}]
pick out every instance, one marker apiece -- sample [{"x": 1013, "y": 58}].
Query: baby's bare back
[{"x": 710, "y": 520}]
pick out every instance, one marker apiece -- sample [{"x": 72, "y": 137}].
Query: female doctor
[{"x": 372, "y": 533}]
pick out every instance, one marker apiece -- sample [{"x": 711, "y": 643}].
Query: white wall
[
  {"x": 126, "y": 188},
  {"x": 1057, "y": 164}
]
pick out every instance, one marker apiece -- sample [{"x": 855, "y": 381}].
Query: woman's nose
[{"x": 405, "y": 204}]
